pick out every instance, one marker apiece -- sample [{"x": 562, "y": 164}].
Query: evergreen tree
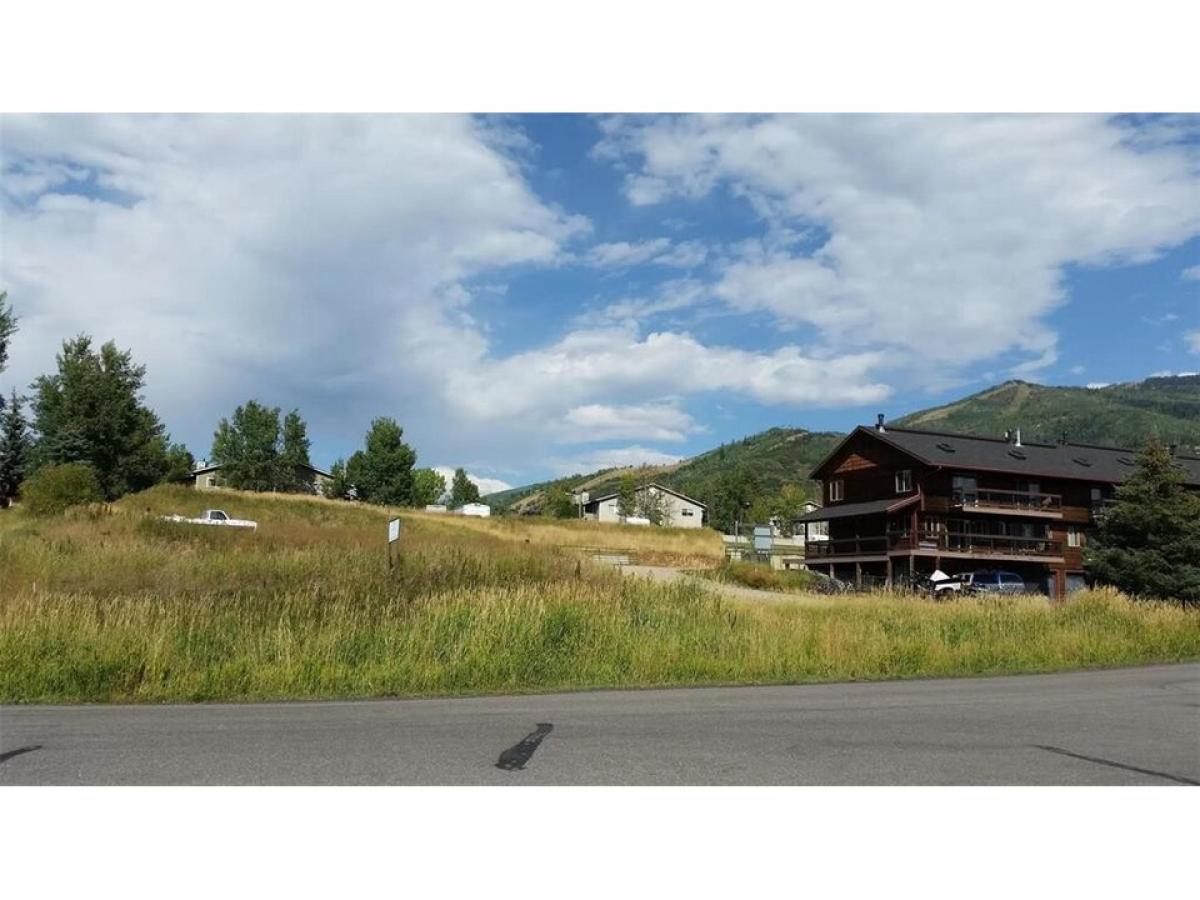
[
  {"x": 1147, "y": 543},
  {"x": 382, "y": 472},
  {"x": 91, "y": 411},
  {"x": 428, "y": 487},
  {"x": 293, "y": 458},
  {"x": 8, "y": 327},
  {"x": 627, "y": 497},
  {"x": 462, "y": 489},
  {"x": 180, "y": 464},
  {"x": 338, "y": 487},
  {"x": 246, "y": 446},
  {"x": 14, "y": 449}
]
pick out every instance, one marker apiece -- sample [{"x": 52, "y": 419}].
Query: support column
[
  {"x": 858, "y": 575},
  {"x": 888, "y": 583}
]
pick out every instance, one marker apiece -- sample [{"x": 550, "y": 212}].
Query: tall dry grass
[{"x": 112, "y": 604}]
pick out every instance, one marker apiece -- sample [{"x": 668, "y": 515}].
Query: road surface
[{"x": 1127, "y": 726}]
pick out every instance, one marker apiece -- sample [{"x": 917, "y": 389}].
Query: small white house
[
  {"x": 435, "y": 507},
  {"x": 481, "y": 510},
  {"x": 678, "y": 511}
]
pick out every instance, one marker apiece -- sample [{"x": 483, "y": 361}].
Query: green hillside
[
  {"x": 1121, "y": 414},
  {"x": 755, "y": 469}
]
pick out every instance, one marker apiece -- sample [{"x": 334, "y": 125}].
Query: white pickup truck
[{"x": 215, "y": 517}]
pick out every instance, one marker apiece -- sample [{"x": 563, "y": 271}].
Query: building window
[
  {"x": 688, "y": 512},
  {"x": 836, "y": 490},
  {"x": 904, "y": 481},
  {"x": 1074, "y": 536}
]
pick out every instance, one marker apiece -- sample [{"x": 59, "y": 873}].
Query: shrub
[{"x": 53, "y": 489}]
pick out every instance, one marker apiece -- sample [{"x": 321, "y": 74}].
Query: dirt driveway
[{"x": 670, "y": 573}]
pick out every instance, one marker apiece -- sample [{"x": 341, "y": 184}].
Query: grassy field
[
  {"x": 112, "y": 604},
  {"x": 761, "y": 577}
]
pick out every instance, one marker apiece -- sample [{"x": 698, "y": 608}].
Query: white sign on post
[{"x": 393, "y": 537}]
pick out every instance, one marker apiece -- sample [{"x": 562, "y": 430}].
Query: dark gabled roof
[
  {"x": 212, "y": 467},
  {"x": 870, "y": 507},
  {"x": 653, "y": 484},
  {"x": 1085, "y": 462}
]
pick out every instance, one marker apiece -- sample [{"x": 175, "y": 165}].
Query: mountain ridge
[{"x": 1121, "y": 415}]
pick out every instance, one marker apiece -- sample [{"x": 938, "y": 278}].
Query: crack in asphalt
[
  {"x": 1117, "y": 765},
  {"x": 518, "y": 754},
  {"x": 5, "y": 757}
]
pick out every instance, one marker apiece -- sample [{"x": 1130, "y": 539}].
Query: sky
[{"x": 534, "y": 296}]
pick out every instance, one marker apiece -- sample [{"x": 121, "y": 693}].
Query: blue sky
[{"x": 531, "y": 296}]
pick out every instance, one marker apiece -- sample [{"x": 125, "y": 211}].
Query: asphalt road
[{"x": 1129, "y": 726}]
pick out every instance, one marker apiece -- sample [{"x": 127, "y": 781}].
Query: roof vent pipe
[
  {"x": 1018, "y": 440},
  {"x": 879, "y": 422}
]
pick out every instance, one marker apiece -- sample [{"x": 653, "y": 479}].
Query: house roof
[
  {"x": 204, "y": 470},
  {"x": 867, "y": 508},
  {"x": 652, "y": 484},
  {"x": 1084, "y": 462}
]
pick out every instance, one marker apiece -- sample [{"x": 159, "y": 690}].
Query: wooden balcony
[
  {"x": 1025, "y": 503},
  {"x": 1006, "y": 545},
  {"x": 998, "y": 546},
  {"x": 876, "y": 545}
]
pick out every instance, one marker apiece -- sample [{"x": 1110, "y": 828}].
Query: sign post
[{"x": 393, "y": 538}]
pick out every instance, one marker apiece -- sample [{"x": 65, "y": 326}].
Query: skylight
[
  {"x": 946, "y": 447},
  {"x": 1082, "y": 461}
]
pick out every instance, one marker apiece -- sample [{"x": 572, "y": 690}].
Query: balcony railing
[
  {"x": 949, "y": 542},
  {"x": 984, "y": 544},
  {"x": 1027, "y": 501},
  {"x": 876, "y": 545}
]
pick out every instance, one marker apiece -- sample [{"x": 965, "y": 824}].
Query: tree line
[{"x": 90, "y": 435}]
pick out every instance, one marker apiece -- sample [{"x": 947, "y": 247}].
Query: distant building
[
  {"x": 435, "y": 507},
  {"x": 207, "y": 477},
  {"x": 678, "y": 510},
  {"x": 481, "y": 510}
]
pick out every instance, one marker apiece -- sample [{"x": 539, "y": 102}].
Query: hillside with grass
[
  {"x": 1119, "y": 414},
  {"x": 110, "y": 603}
]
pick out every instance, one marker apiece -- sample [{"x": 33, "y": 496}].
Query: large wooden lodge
[{"x": 902, "y": 502}]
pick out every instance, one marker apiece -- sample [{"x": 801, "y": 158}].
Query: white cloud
[
  {"x": 658, "y": 251},
  {"x": 1191, "y": 273},
  {"x": 618, "y": 364},
  {"x": 486, "y": 485},
  {"x": 1077, "y": 370},
  {"x": 1097, "y": 385},
  {"x": 946, "y": 235},
  {"x": 668, "y": 297},
  {"x": 1193, "y": 341},
  {"x": 328, "y": 263},
  {"x": 663, "y": 421},
  {"x": 624, "y": 253},
  {"x": 294, "y": 259},
  {"x": 612, "y": 458}
]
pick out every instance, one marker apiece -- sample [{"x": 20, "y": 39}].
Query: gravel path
[{"x": 670, "y": 573}]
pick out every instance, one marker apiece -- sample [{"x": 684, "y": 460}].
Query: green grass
[
  {"x": 762, "y": 577},
  {"x": 114, "y": 605}
]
